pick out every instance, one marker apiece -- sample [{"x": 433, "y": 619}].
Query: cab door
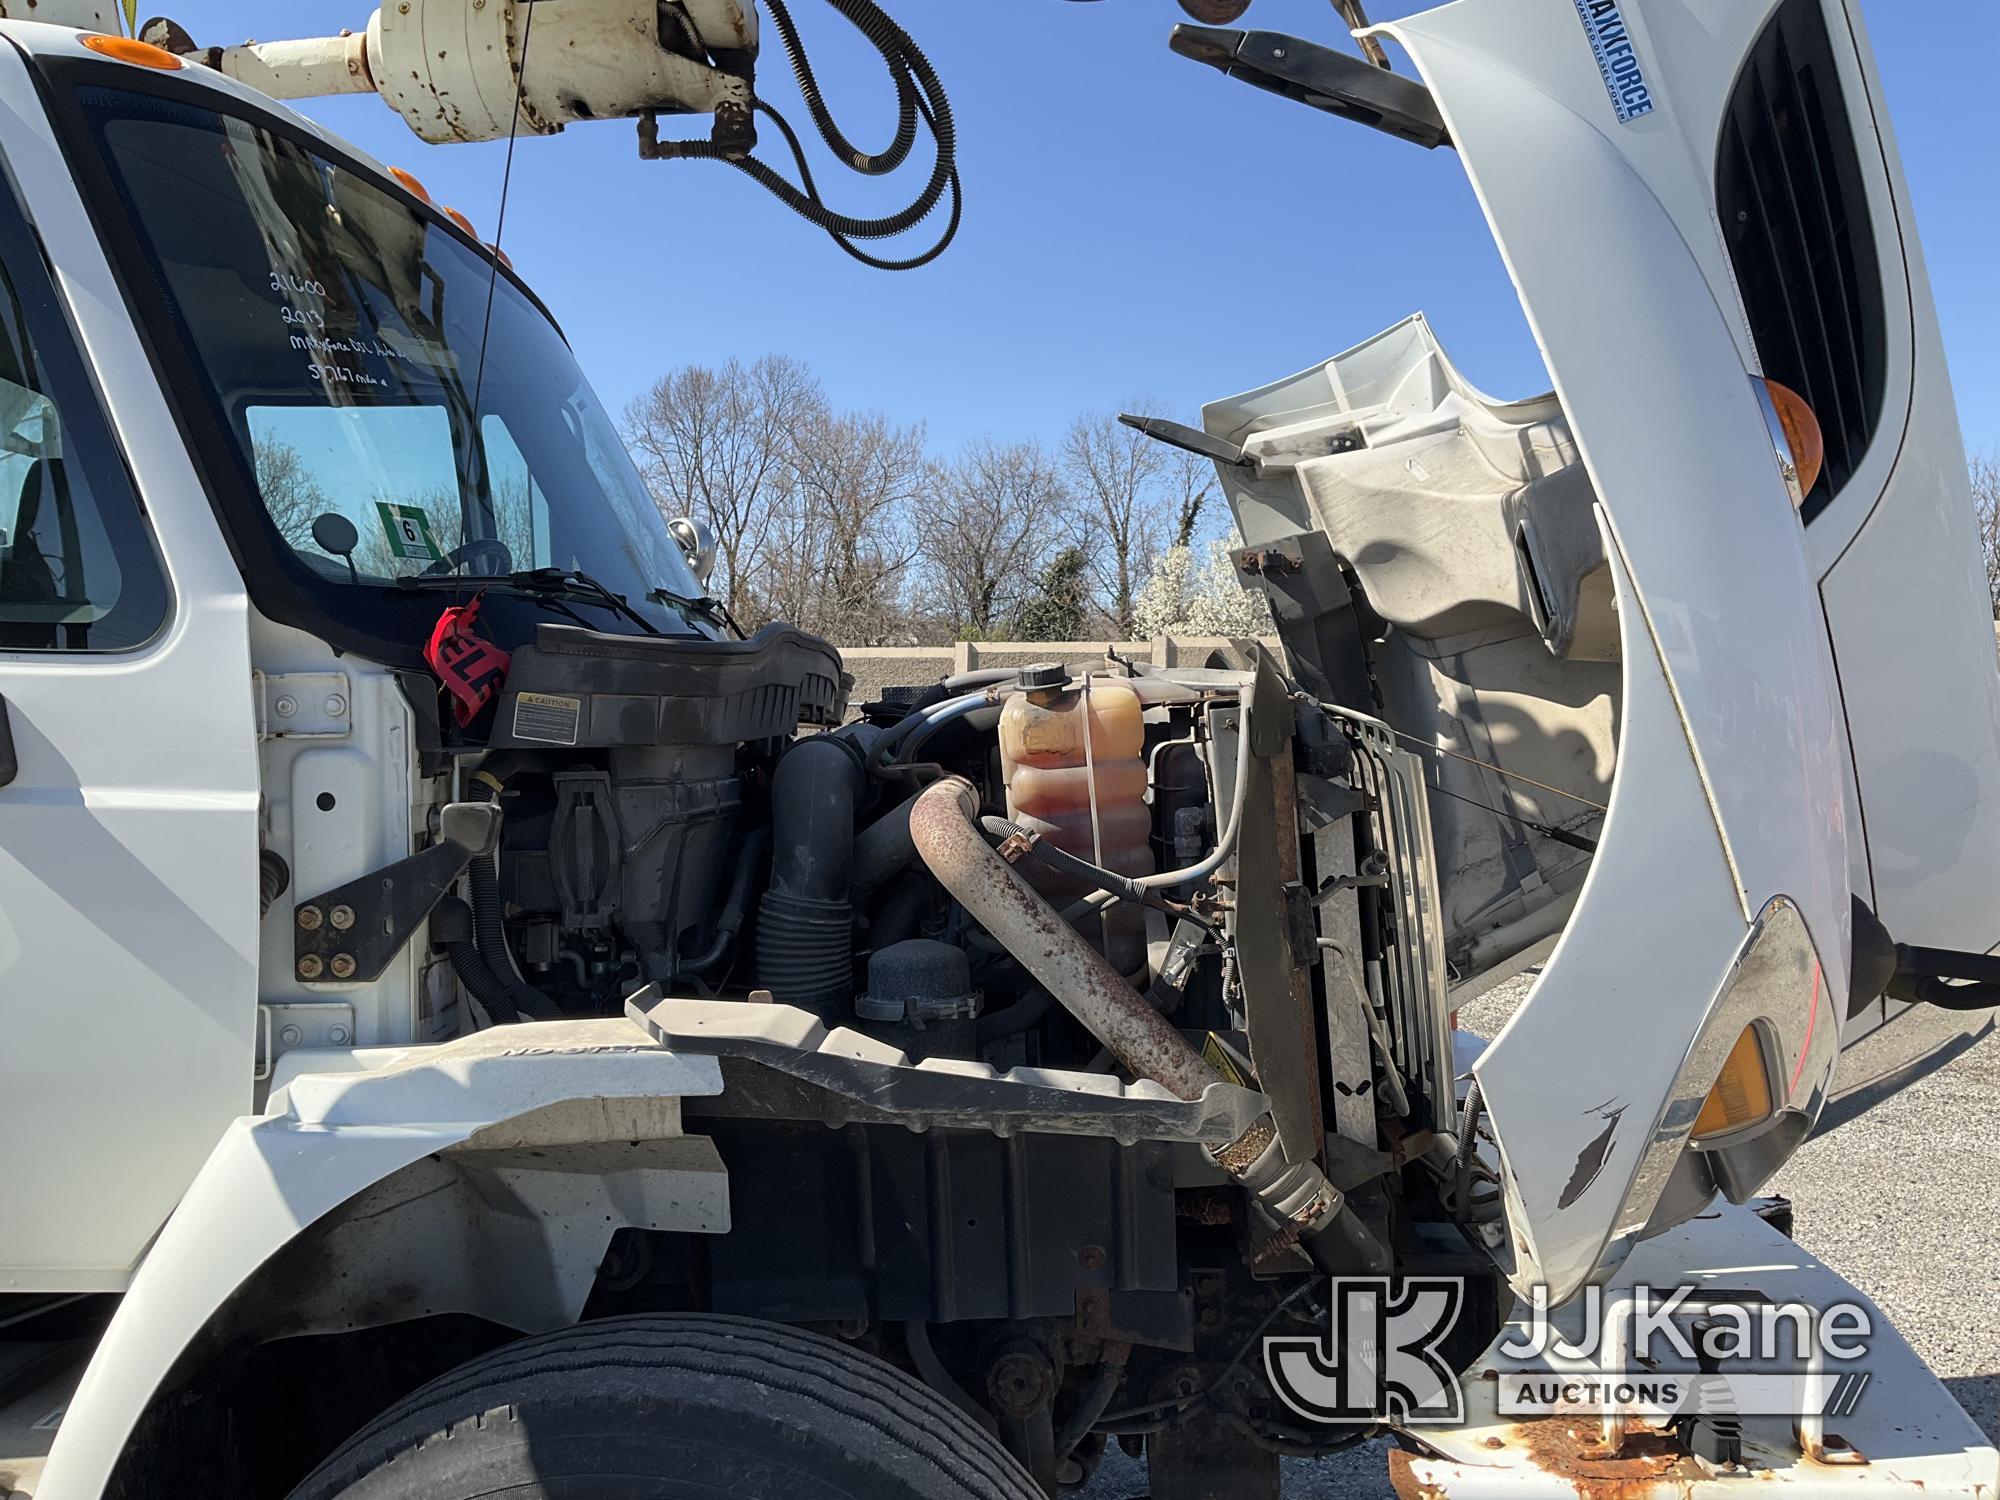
[{"x": 128, "y": 772}]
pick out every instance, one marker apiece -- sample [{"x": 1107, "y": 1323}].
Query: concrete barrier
[{"x": 876, "y": 668}]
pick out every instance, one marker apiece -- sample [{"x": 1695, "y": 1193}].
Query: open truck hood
[{"x": 1717, "y": 901}]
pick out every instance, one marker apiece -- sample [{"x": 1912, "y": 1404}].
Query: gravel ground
[{"x": 1917, "y": 1237}]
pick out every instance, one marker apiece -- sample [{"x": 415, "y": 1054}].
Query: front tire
[{"x": 672, "y": 1408}]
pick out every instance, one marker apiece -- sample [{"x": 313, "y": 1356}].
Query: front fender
[
  {"x": 1729, "y": 786},
  {"x": 329, "y": 1137}
]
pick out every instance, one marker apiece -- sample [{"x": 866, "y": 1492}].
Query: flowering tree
[{"x": 1195, "y": 591}]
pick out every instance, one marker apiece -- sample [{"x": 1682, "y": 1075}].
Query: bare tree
[
  {"x": 995, "y": 518},
  {"x": 719, "y": 445},
  {"x": 843, "y": 541},
  {"x": 290, "y": 491},
  {"x": 1986, "y": 509},
  {"x": 1120, "y": 479}
]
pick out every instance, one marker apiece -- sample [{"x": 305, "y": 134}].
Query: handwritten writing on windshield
[{"x": 310, "y": 337}]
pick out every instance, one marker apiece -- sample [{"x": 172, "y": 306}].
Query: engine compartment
[
  {"x": 1081, "y": 1020},
  {"x": 763, "y": 851}
]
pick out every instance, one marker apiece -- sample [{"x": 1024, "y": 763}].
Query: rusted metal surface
[
  {"x": 943, "y": 827},
  {"x": 1562, "y": 1449},
  {"x": 1572, "y": 1448},
  {"x": 1404, "y": 1481},
  {"x": 1241, "y": 1154},
  {"x": 1276, "y": 976}
]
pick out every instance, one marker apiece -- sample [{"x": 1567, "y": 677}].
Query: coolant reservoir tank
[{"x": 1072, "y": 754}]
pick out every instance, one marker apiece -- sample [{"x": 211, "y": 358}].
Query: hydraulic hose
[
  {"x": 869, "y": 165},
  {"x": 919, "y": 95}
]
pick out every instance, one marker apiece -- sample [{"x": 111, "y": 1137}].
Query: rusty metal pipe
[
  {"x": 1295, "y": 1196},
  {"x": 944, "y": 827}
]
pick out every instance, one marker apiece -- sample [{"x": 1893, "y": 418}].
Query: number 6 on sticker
[{"x": 408, "y": 529}]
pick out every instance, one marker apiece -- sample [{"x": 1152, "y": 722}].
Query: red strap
[{"x": 470, "y": 666}]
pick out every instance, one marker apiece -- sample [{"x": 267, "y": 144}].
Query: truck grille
[{"x": 1794, "y": 211}]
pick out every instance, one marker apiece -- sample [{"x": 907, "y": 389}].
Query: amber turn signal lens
[
  {"x": 408, "y": 182},
  {"x": 127, "y": 49},
  {"x": 1802, "y": 434},
  {"x": 1741, "y": 1096}
]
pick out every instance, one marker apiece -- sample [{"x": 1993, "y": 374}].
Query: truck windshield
[{"x": 397, "y": 407}]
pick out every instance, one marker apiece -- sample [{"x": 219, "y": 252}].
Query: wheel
[{"x": 672, "y": 1408}]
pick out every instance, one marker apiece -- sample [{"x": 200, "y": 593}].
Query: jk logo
[{"x": 1379, "y": 1359}]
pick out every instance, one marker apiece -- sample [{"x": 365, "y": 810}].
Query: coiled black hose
[
  {"x": 919, "y": 95},
  {"x": 875, "y": 164}
]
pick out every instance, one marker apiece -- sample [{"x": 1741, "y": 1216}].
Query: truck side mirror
[
  {"x": 334, "y": 533},
  {"x": 697, "y": 539}
]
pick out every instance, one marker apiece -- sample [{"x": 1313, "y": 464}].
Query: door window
[{"x": 77, "y": 567}]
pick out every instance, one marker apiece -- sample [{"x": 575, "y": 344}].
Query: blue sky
[{"x": 1134, "y": 223}]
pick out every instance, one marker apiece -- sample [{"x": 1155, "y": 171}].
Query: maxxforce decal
[{"x": 1617, "y": 58}]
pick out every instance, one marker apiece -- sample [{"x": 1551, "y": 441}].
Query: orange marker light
[
  {"x": 502, "y": 256},
  {"x": 126, "y": 49},
  {"x": 1802, "y": 435},
  {"x": 461, "y": 221},
  {"x": 408, "y": 182},
  {"x": 1742, "y": 1095}
]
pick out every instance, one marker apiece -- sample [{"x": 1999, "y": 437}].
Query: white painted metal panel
[
  {"x": 128, "y": 844},
  {"x": 1650, "y": 369}
]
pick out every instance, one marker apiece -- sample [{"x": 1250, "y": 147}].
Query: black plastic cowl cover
[{"x": 580, "y": 688}]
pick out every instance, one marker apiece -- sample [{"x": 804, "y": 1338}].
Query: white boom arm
[{"x": 452, "y": 68}]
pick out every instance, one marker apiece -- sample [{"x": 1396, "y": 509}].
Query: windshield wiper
[
  {"x": 552, "y": 582},
  {"x": 706, "y": 605}
]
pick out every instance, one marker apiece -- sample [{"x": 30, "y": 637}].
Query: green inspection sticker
[{"x": 408, "y": 528}]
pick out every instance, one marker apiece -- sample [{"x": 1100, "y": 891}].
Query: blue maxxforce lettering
[{"x": 1617, "y": 58}]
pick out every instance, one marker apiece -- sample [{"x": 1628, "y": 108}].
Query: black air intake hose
[
  {"x": 501, "y": 985},
  {"x": 805, "y": 925}
]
